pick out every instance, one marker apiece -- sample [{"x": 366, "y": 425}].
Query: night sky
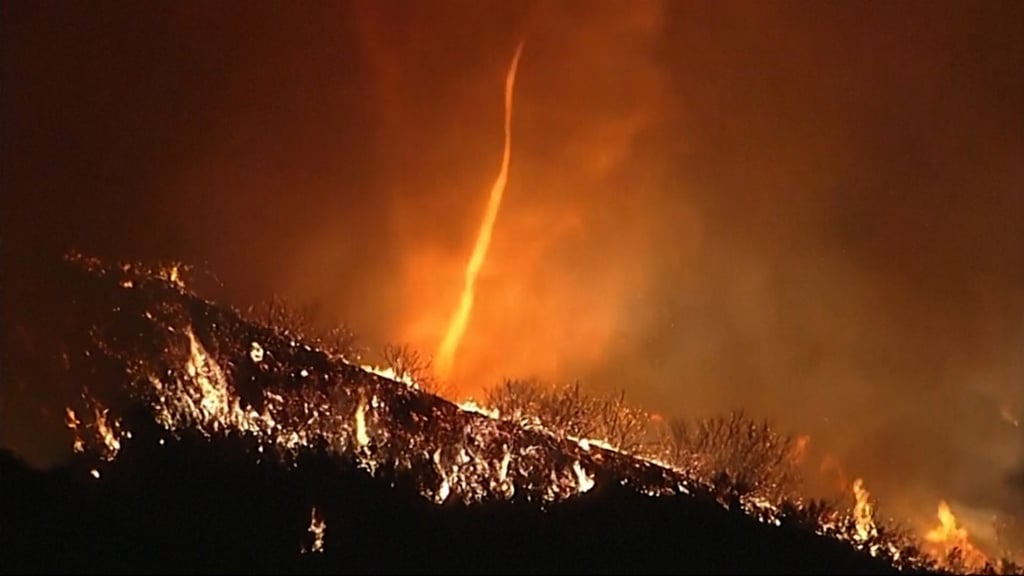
[{"x": 809, "y": 210}]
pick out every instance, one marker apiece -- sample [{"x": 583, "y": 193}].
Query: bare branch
[
  {"x": 749, "y": 455},
  {"x": 569, "y": 411},
  {"x": 300, "y": 323},
  {"x": 408, "y": 364}
]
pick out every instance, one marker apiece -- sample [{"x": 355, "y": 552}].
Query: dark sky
[{"x": 809, "y": 210}]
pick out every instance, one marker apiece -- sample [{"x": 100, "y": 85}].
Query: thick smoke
[{"x": 810, "y": 211}]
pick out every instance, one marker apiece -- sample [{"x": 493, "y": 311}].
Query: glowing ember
[
  {"x": 94, "y": 473},
  {"x": 106, "y": 432},
  {"x": 172, "y": 274},
  {"x": 256, "y": 352},
  {"x": 317, "y": 528},
  {"x": 457, "y": 325},
  {"x": 73, "y": 423},
  {"x": 586, "y": 481}
]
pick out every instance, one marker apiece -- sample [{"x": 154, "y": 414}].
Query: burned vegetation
[{"x": 211, "y": 439}]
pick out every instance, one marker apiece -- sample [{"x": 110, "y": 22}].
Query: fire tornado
[{"x": 457, "y": 325}]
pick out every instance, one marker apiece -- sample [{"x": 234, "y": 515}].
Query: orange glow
[
  {"x": 566, "y": 280},
  {"x": 457, "y": 326},
  {"x": 830, "y": 468},
  {"x": 800, "y": 448}
]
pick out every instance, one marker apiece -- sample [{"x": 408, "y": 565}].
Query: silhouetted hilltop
[{"x": 211, "y": 443}]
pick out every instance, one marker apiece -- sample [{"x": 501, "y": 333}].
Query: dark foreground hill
[
  {"x": 214, "y": 444},
  {"x": 200, "y": 506}
]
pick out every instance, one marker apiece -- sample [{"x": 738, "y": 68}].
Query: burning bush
[
  {"x": 569, "y": 411},
  {"x": 739, "y": 455}
]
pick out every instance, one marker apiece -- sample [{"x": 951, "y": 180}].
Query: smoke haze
[{"x": 807, "y": 210}]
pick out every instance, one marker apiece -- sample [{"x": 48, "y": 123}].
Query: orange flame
[
  {"x": 863, "y": 511},
  {"x": 457, "y": 325},
  {"x": 317, "y": 527},
  {"x": 948, "y": 535},
  {"x": 72, "y": 421}
]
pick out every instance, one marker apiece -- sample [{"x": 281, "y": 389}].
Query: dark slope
[
  {"x": 196, "y": 506},
  {"x": 230, "y": 451}
]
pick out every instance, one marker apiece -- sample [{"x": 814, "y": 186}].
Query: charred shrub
[
  {"x": 409, "y": 364},
  {"x": 569, "y": 411},
  {"x": 300, "y": 323},
  {"x": 743, "y": 456}
]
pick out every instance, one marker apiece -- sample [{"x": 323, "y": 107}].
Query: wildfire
[
  {"x": 210, "y": 379},
  {"x": 172, "y": 273},
  {"x": 107, "y": 429},
  {"x": 391, "y": 374},
  {"x": 465, "y": 453},
  {"x": 949, "y": 536},
  {"x": 457, "y": 325},
  {"x": 308, "y": 398}
]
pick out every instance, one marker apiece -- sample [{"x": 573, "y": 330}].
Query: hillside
[{"x": 209, "y": 442}]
